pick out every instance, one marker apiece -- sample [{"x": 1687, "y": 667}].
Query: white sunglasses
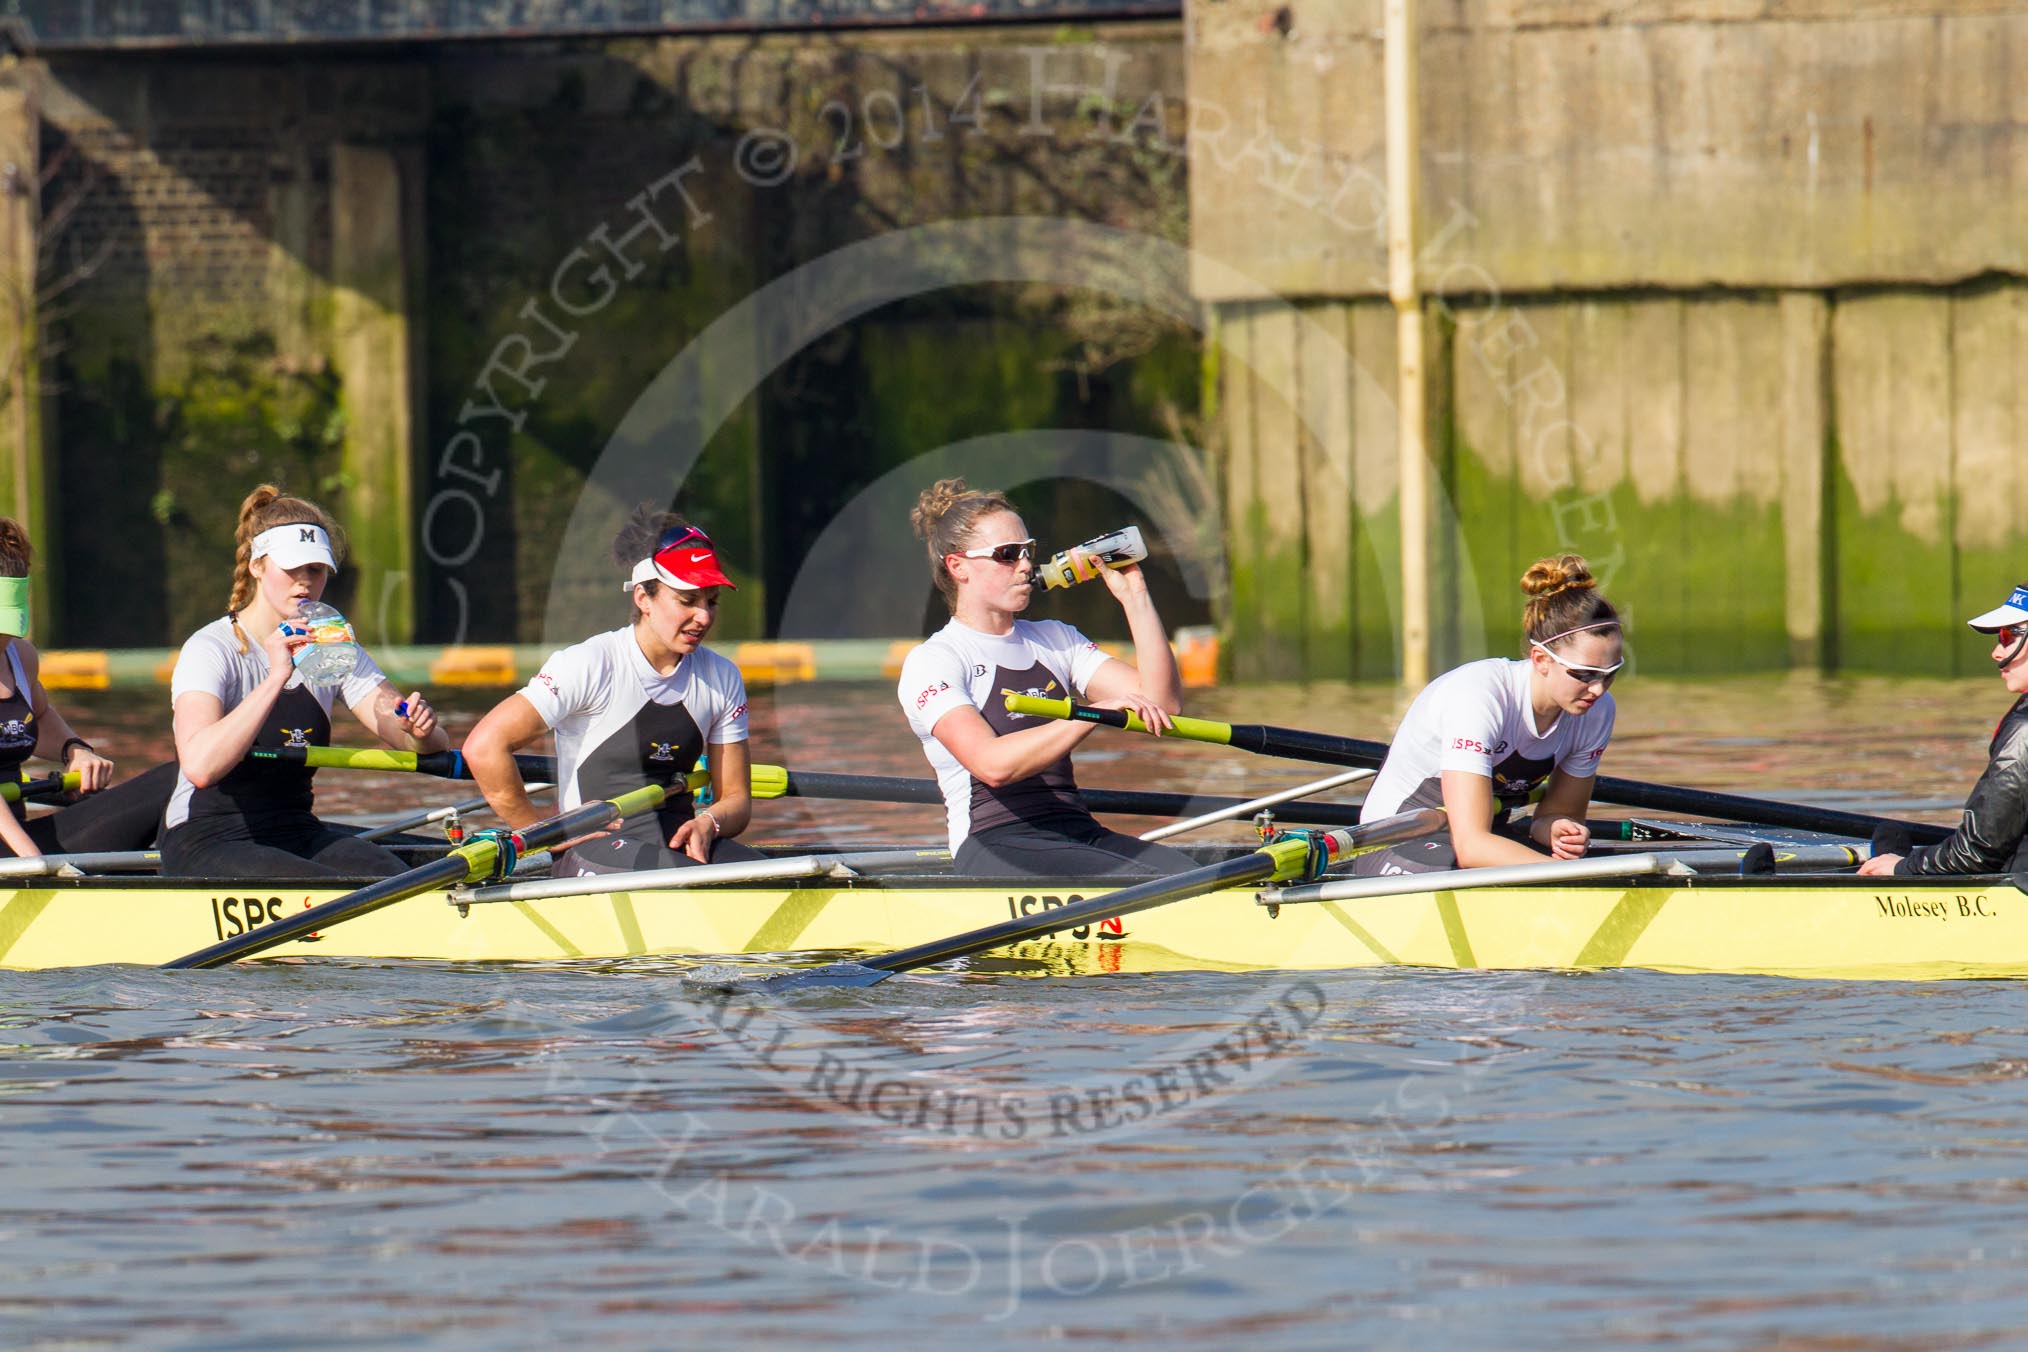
[
  {"x": 1601, "y": 676},
  {"x": 1007, "y": 553}
]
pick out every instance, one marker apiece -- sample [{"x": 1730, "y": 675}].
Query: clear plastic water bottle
[
  {"x": 332, "y": 654},
  {"x": 1082, "y": 564}
]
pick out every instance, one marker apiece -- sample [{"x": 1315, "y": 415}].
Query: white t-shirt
[
  {"x": 620, "y": 724},
  {"x": 1476, "y": 718},
  {"x": 959, "y": 666},
  {"x": 211, "y": 663}
]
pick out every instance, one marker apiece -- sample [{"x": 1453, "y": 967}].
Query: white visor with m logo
[{"x": 294, "y": 544}]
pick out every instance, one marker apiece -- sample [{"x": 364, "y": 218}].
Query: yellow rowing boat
[{"x": 1800, "y": 926}]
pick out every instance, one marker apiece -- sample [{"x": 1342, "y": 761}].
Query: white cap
[
  {"x": 295, "y": 544},
  {"x": 2013, "y": 612}
]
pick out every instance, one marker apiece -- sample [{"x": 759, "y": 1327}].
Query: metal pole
[{"x": 1403, "y": 158}]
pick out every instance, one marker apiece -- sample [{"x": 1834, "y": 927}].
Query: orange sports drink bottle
[{"x": 1115, "y": 550}]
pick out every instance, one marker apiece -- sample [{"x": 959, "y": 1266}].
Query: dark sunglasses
[
  {"x": 675, "y": 538},
  {"x": 1009, "y": 553}
]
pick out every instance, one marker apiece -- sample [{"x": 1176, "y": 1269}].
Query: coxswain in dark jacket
[{"x": 1992, "y": 836}]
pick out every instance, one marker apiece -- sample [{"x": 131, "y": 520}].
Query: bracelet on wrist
[
  {"x": 717, "y": 826},
  {"x": 63, "y": 752}
]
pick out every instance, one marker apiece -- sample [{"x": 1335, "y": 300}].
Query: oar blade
[{"x": 840, "y": 974}]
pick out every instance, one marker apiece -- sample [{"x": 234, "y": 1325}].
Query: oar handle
[
  {"x": 1190, "y": 729},
  {"x": 442, "y": 764},
  {"x": 48, "y": 786}
]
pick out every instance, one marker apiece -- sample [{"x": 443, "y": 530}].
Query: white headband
[
  {"x": 646, "y": 571},
  {"x": 1601, "y": 624}
]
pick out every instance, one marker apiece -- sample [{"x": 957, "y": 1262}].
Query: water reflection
[{"x": 343, "y": 1153}]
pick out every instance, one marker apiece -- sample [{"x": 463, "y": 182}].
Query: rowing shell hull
[{"x": 1842, "y": 927}]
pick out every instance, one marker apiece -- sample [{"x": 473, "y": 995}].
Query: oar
[
  {"x": 423, "y": 818},
  {"x": 429, "y": 815},
  {"x": 1296, "y": 744},
  {"x": 442, "y": 764},
  {"x": 37, "y": 790},
  {"x": 103, "y": 861},
  {"x": 899, "y": 789},
  {"x": 1254, "y": 805},
  {"x": 704, "y": 875},
  {"x": 1295, "y": 856},
  {"x": 1464, "y": 879},
  {"x": 768, "y": 781},
  {"x": 773, "y": 781},
  {"x": 467, "y": 862}
]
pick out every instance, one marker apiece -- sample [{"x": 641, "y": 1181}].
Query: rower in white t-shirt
[
  {"x": 637, "y": 705},
  {"x": 1010, "y": 796},
  {"x": 1482, "y": 739},
  {"x": 236, "y": 691}
]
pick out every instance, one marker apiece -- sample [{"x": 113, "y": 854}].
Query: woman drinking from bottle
[
  {"x": 236, "y": 689},
  {"x": 1009, "y": 793},
  {"x": 108, "y": 816}
]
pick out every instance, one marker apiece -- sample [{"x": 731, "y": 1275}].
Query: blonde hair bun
[
  {"x": 1563, "y": 598},
  {"x": 934, "y": 503},
  {"x": 945, "y": 515},
  {"x": 1565, "y": 572}
]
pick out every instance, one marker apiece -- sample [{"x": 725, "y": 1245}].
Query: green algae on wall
[
  {"x": 931, "y": 376},
  {"x": 515, "y": 191},
  {"x": 158, "y": 466}
]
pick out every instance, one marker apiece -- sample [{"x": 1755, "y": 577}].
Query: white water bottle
[
  {"x": 1082, "y": 564},
  {"x": 332, "y": 654}
]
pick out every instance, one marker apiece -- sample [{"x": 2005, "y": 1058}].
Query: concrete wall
[
  {"x": 1728, "y": 298},
  {"x": 426, "y": 286}
]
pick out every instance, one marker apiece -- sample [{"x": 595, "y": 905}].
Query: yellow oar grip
[
  {"x": 357, "y": 758},
  {"x": 11, "y": 791},
  {"x": 644, "y": 799},
  {"x": 1190, "y": 729}
]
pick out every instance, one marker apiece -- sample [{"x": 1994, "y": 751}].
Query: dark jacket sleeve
[{"x": 1996, "y": 815}]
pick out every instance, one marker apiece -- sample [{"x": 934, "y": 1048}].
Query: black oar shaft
[
  {"x": 899, "y": 789},
  {"x": 1325, "y": 749},
  {"x": 455, "y": 867},
  {"x": 1246, "y": 868},
  {"x": 1765, "y": 811},
  {"x": 442, "y": 764},
  {"x": 1276, "y": 859},
  {"x": 452, "y": 868}
]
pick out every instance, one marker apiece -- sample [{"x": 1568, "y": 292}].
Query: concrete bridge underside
[{"x": 55, "y": 26}]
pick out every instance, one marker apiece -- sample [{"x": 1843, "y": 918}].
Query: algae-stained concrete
[
  {"x": 26, "y": 481},
  {"x": 1688, "y": 145},
  {"x": 375, "y": 194},
  {"x": 1308, "y": 413},
  {"x": 1735, "y": 292},
  {"x": 432, "y": 276}
]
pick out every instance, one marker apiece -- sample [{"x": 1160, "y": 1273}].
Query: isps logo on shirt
[{"x": 922, "y": 700}]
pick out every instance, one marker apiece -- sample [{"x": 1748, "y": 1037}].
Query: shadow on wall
[
  {"x": 199, "y": 360},
  {"x": 193, "y": 362}
]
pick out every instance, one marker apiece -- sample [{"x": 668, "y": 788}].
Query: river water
[{"x": 360, "y": 1155}]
